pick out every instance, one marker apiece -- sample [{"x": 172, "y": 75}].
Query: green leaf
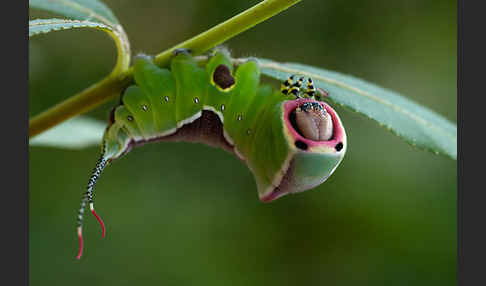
[
  {"x": 417, "y": 125},
  {"x": 91, "y": 10},
  {"x": 87, "y": 12},
  {"x": 41, "y": 26},
  {"x": 76, "y": 133}
]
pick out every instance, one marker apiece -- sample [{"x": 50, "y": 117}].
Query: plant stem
[
  {"x": 228, "y": 29},
  {"x": 98, "y": 93},
  {"x": 82, "y": 102},
  {"x": 112, "y": 86}
]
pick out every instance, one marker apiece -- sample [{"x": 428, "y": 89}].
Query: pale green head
[{"x": 316, "y": 141}]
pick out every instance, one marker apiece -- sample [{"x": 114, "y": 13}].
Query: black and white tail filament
[{"x": 88, "y": 198}]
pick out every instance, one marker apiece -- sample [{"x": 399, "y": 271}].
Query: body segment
[
  {"x": 223, "y": 107},
  {"x": 163, "y": 101}
]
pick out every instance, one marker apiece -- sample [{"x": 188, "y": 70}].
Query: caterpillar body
[{"x": 289, "y": 139}]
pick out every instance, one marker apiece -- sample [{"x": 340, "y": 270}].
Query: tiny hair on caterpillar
[{"x": 289, "y": 138}]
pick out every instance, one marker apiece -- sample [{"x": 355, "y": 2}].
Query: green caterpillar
[{"x": 290, "y": 141}]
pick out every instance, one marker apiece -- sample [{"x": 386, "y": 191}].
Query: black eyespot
[
  {"x": 339, "y": 146},
  {"x": 222, "y": 77},
  {"x": 301, "y": 145}
]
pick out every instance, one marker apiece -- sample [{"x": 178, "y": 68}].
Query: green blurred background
[{"x": 188, "y": 214}]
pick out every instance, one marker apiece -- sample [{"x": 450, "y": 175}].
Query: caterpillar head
[{"x": 317, "y": 142}]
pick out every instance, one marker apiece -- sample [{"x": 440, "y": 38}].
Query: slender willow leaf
[
  {"x": 87, "y": 12},
  {"x": 40, "y": 26},
  {"x": 77, "y": 133},
  {"x": 418, "y": 125},
  {"x": 92, "y": 10}
]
